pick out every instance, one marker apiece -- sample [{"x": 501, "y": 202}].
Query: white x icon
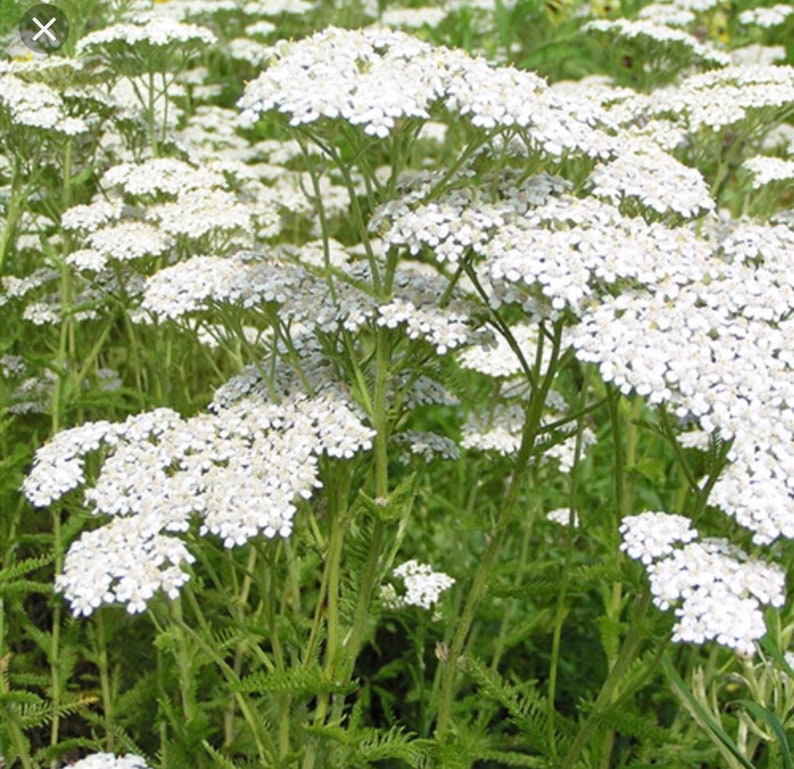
[{"x": 44, "y": 29}]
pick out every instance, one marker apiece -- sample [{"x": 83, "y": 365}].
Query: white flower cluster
[
  {"x": 588, "y": 245},
  {"x": 649, "y": 536},
  {"x": 369, "y": 78},
  {"x": 722, "y": 98},
  {"x": 423, "y": 586},
  {"x": 110, "y": 761},
  {"x": 249, "y": 279},
  {"x": 767, "y": 170},
  {"x": 720, "y": 588},
  {"x": 156, "y": 33},
  {"x": 92, "y": 216},
  {"x": 152, "y": 205},
  {"x": 499, "y": 431},
  {"x": 241, "y": 471},
  {"x": 716, "y": 350},
  {"x": 680, "y": 47},
  {"x": 36, "y": 105},
  {"x": 155, "y": 176},
  {"x": 562, "y": 516},
  {"x": 126, "y": 241},
  {"x": 428, "y": 445},
  {"x": 766, "y": 17},
  {"x": 498, "y": 359},
  {"x": 658, "y": 181},
  {"x": 375, "y": 77}
]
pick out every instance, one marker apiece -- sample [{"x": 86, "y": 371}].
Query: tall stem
[
  {"x": 607, "y": 694},
  {"x": 530, "y": 432},
  {"x": 565, "y": 578}
]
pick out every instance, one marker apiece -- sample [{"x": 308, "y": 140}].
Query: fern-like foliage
[
  {"x": 363, "y": 747},
  {"x": 526, "y": 707},
  {"x": 300, "y": 681}
]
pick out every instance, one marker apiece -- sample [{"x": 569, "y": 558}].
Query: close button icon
[{"x": 44, "y": 28}]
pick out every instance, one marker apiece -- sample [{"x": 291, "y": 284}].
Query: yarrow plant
[{"x": 300, "y": 304}]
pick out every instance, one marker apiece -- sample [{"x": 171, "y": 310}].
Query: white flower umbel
[
  {"x": 652, "y": 535},
  {"x": 109, "y": 761},
  {"x": 369, "y": 78},
  {"x": 767, "y": 170},
  {"x": 154, "y": 176},
  {"x": 674, "y": 46},
  {"x": 92, "y": 216},
  {"x": 645, "y": 174},
  {"x": 499, "y": 431},
  {"x": 766, "y": 17},
  {"x": 154, "y": 33},
  {"x": 716, "y": 100},
  {"x": 200, "y": 212},
  {"x": 374, "y": 77},
  {"x": 562, "y": 516},
  {"x": 36, "y": 105},
  {"x": 717, "y": 588},
  {"x": 717, "y": 350},
  {"x": 240, "y": 471},
  {"x": 563, "y": 254},
  {"x": 423, "y": 586}
]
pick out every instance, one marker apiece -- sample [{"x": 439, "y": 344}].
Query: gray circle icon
[{"x": 44, "y": 28}]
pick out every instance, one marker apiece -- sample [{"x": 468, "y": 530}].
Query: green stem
[
  {"x": 481, "y": 576},
  {"x": 605, "y": 697},
  {"x": 183, "y": 663},
  {"x": 104, "y": 680},
  {"x": 259, "y": 731},
  {"x": 237, "y": 665},
  {"x": 564, "y": 580}
]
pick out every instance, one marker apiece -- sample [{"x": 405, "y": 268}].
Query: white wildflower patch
[
  {"x": 500, "y": 358},
  {"x": 199, "y": 212},
  {"x": 767, "y": 170},
  {"x": 722, "y": 98},
  {"x": 110, "y": 761},
  {"x": 717, "y": 588},
  {"x": 715, "y": 350},
  {"x": 649, "y": 536},
  {"x": 499, "y": 431},
  {"x": 675, "y": 45},
  {"x": 373, "y": 77},
  {"x": 154, "y": 33},
  {"x": 564, "y": 517},
  {"x": 369, "y": 78},
  {"x": 167, "y": 176},
  {"x": 423, "y": 586},
  {"x": 766, "y": 17},
  {"x": 36, "y": 105},
  {"x": 651, "y": 177},
  {"x": 241, "y": 471}
]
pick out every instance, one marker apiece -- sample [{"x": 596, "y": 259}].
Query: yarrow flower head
[
  {"x": 153, "y": 33},
  {"x": 717, "y": 588},
  {"x": 423, "y": 586},
  {"x": 110, "y": 761},
  {"x": 373, "y": 78},
  {"x": 241, "y": 471}
]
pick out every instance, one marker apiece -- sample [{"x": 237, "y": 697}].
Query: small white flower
[
  {"x": 110, "y": 761},
  {"x": 423, "y": 586}
]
